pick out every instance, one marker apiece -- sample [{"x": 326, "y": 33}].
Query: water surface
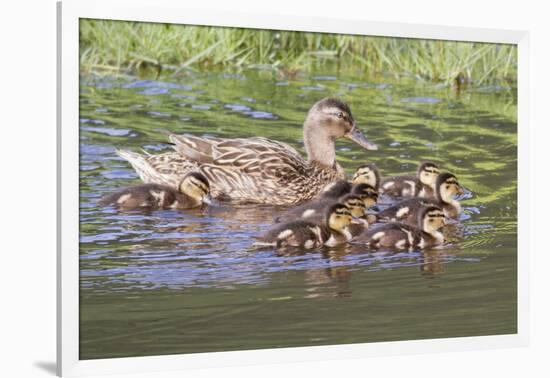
[{"x": 167, "y": 282}]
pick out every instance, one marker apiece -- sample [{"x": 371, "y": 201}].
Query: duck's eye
[
  {"x": 447, "y": 186},
  {"x": 340, "y": 115}
]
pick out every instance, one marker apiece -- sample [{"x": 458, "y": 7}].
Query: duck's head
[
  {"x": 326, "y": 121},
  {"x": 367, "y": 193},
  {"x": 367, "y": 174},
  {"x": 196, "y": 186},
  {"x": 338, "y": 217},
  {"x": 447, "y": 187},
  {"x": 427, "y": 173},
  {"x": 431, "y": 219}
]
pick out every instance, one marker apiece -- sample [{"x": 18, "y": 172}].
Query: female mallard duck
[
  {"x": 425, "y": 234},
  {"x": 259, "y": 170},
  {"x": 421, "y": 185},
  {"x": 192, "y": 192},
  {"x": 365, "y": 174},
  {"x": 447, "y": 187},
  {"x": 306, "y": 234}
]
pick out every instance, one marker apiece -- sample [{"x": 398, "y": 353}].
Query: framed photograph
[{"x": 241, "y": 189}]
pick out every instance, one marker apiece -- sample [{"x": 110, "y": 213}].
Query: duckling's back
[
  {"x": 140, "y": 196},
  {"x": 299, "y": 233}
]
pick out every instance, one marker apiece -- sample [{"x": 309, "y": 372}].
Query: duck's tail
[
  {"x": 146, "y": 172},
  {"x": 108, "y": 199},
  {"x": 138, "y": 162},
  {"x": 165, "y": 169}
]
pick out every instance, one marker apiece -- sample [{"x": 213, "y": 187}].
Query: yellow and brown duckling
[
  {"x": 447, "y": 187},
  {"x": 192, "y": 191},
  {"x": 362, "y": 197},
  {"x": 421, "y": 185},
  {"x": 396, "y": 235},
  {"x": 365, "y": 174},
  {"x": 363, "y": 184},
  {"x": 306, "y": 234},
  {"x": 259, "y": 170},
  {"x": 367, "y": 193}
]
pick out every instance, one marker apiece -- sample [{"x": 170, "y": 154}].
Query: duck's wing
[
  {"x": 258, "y": 169},
  {"x": 250, "y": 155}
]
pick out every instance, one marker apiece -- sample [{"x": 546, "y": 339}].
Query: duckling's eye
[
  {"x": 340, "y": 115},
  {"x": 447, "y": 186}
]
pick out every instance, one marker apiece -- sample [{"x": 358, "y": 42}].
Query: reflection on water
[{"x": 163, "y": 282}]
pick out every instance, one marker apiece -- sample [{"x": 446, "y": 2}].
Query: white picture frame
[{"x": 69, "y": 13}]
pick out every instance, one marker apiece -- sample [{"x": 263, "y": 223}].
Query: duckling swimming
[
  {"x": 363, "y": 184},
  {"x": 365, "y": 174},
  {"x": 306, "y": 234},
  {"x": 193, "y": 192},
  {"x": 421, "y": 185},
  {"x": 361, "y": 198},
  {"x": 367, "y": 193},
  {"x": 425, "y": 234},
  {"x": 447, "y": 187}
]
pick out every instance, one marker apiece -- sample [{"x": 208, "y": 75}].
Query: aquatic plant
[{"x": 154, "y": 49}]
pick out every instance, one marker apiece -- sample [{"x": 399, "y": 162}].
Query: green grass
[{"x": 147, "y": 48}]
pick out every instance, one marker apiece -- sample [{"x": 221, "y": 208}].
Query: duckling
[
  {"x": 421, "y": 185},
  {"x": 334, "y": 190},
  {"x": 193, "y": 192},
  {"x": 306, "y": 234},
  {"x": 365, "y": 174},
  {"x": 364, "y": 184},
  {"x": 367, "y": 193},
  {"x": 447, "y": 187},
  {"x": 397, "y": 235},
  {"x": 361, "y": 198}
]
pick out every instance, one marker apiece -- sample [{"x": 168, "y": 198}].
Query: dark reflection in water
[{"x": 165, "y": 282}]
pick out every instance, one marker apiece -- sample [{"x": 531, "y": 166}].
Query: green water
[{"x": 168, "y": 282}]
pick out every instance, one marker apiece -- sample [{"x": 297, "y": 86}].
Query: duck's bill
[
  {"x": 207, "y": 199},
  {"x": 358, "y": 137}
]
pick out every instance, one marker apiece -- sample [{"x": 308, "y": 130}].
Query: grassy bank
[{"x": 145, "y": 48}]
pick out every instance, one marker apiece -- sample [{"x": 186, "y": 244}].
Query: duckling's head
[
  {"x": 427, "y": 173},
  {"x": 431, "y": 219},
  {"x": 367, "y": 193},
  {"x": 338, "y": 217},
  {"x": 326, "y": 121},
  {"x": 196, "y": 186},
  {"x": 355, "y": 204},
  {"x": 367, "y": 174},
  {"x": 447, "y": 187}
]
